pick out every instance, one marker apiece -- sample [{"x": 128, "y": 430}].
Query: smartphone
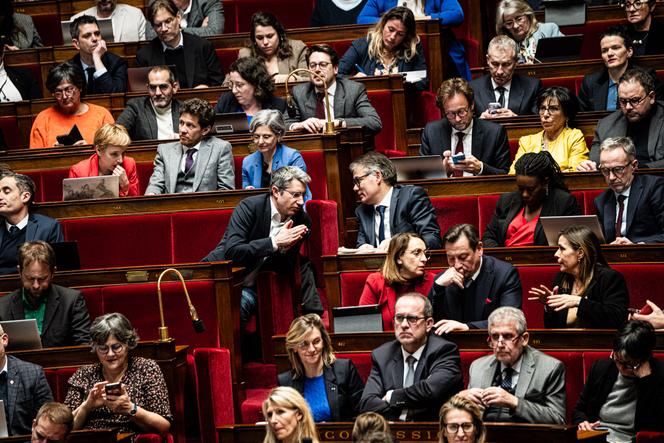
[
  {"x": 113, "y": 388},
  {"x": 493, "y": 107},
  {"x": 456, "y": 158}
]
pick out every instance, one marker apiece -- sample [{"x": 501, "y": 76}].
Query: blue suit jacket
[
  {"x": 41, "y": 227},
  {"x": 27, "y": 391}
]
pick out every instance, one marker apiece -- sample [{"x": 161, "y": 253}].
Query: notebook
[
  {"x": 553, "y": 225},
  {"x": 87, "y": 188},
  {"x": 351, "y": 319},
  {"x": 231, "y": 123},
  {"x": 23, "y": 334},
  {"x": 419, "y": 167}
]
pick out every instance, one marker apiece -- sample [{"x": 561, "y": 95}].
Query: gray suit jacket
[
  {"x": 351, "y": 104},
  {"x": 27, "y": 391},
  {"x": 615, "y": 125},
  {"x": 140, "y": 120},
  {"x": 540, "y": 388},
  {"x": 214, "y": 167},
  {"x": 200, "y": 9},
  {"x": 25, "y": 35}
]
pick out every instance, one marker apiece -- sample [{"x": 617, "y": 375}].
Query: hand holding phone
[
  {"x": 113, "y": 389},
  {"x": 456, "y": 158}
]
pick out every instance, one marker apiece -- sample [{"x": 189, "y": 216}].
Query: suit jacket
[
  {"x": 558, "y": 202},
  {"x": 437, "y": 378},
  {"x": 66, "y": 318},
  {"x": 351, "y": 104},
  {"x": 655, "y": 43},
  {"x": 595, "y": 87},
  {"x": 141, "y": 121},
  {"x": 497, "y": 285},
  {"x": 523, "y": 94},
  {"x": 115, "y": 77},
  {"x": 228, "y": 103},
  {"x": 410, "y": 211},
  {"x": 25, "y": 82},
  {"x": 343, "y": 387},
  {"x": 200, "y": 9},
  {"x": 27, "y": 391},
  {"x": 649, "y": 397},
  {"x": 615, "y": 125},
  {"x": 40, "y": 227},
  {"x": 25, "y": 34},
  {"x": 540, "y": 388},
  {"x": 90, "y": 168},
  {"x": 252, "y": 166},
  {"x": 645, "y": 210},
  {"x": 201, "y": 62},
  {"x": 489, "y": 143},
  {"x": 214, "y": 167}
]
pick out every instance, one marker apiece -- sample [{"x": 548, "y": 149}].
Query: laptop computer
[
  {"x": 4, "y": 431},
  {"x": 553, "y": 225},
  {"x": 351, "y": 319},
  {"x": 87, "y": 188},
  {"x": 419, "y": 167},
  {"x": 23, "y": 334},
  {"x": 556, "y": 49},
  {"x": 66, "y": 255},
  {"x": 105, "y": 27},
  {"x": 230, "y": 123}
]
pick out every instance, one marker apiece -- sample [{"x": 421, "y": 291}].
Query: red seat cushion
[
  {"x": 362, "y": 361},
  {"x": 532, "y": 276},
  {"x": 451, "y": 211},
  {"x": 196, "y": 233},
  {"x": 574, "y": 379},
  {"x": 250, "y": 409},
  {"x": 351, "y": 285},
  {"x": 214, "y": 390}
]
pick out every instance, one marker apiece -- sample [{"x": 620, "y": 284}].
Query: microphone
[{"x": 195, "y": 319}]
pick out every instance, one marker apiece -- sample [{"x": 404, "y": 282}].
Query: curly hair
[
  {"x": 268, "y": 19},
  {"x": 201, "y": 109},
  {"x": 255, "y": 73},
  {"x": 541, "y": 165}
]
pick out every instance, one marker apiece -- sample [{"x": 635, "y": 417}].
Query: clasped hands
[
  {"x": 552, "y": 300},
  {"x": 492, "y": 396},
  {"x": 97, "y": 398},
  {"x": 450, "y": 277},
  {"x": 288, "y": 235}
]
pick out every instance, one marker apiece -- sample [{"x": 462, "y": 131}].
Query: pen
[{"x": 359, "y": 69}]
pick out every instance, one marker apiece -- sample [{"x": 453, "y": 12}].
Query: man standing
[
  {"x": 199, "y": 17},
  {"x": 646, "y": 33},
  {"x": 157, "y": 116},
  {"x": 473, "y": 285},
  {"x": 482, "y": 143},
  {"x": 632, "y": 209},
  {"x": 412, "y": 376},
  {"x": 104, "y": 72},
  {"x": 128, "y": 21},
  {"x": 349, "y": 103},
  {"x": 61, "y": 314},
  {"x": 16, "y": 195},
  {"x": 515, "y": 94},
  {"x": 517, "y": 383},
  {"x": 265, "y": 233},
  {"x": 386, "y": 208},
  {"x": 53, "y": 423},
  {"x": 196, "y": 61},
  {"x": 198, "y": 162}
]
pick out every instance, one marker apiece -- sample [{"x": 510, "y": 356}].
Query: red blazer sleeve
[
  {"x": 130, "y": 168},
  {"x": 376, "y": 292}
]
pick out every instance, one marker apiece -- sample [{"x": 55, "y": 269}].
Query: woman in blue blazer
[{"x": 267, "y": 128}]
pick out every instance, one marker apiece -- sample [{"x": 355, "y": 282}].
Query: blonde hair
[
  {"x": 511, "y": 7},
  {"x": 111, "y": 134},
  {"x": 462, "y": 404},
  {"x": 289, "y": 398},
  {"x": 395, "y": 250},
  {"x": 408, "y": 48},
  {"x": 299, "y": 328}
]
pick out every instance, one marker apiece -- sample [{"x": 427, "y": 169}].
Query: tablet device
[
  {"x": 230, "y": 123},
  {"x": 105, "y": 27},
  {"x": 23, "y": 334},
  {"x": 419, "y": 167},
  {"x": 556, "y": 49},
  {"x": 71, "y": 138},
  {"x": 87, "y": 188},
  {"x": 367, "y": 318},
  {"x": 553, "y": 225}
]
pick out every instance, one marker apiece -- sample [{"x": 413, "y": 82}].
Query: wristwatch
[{"x": 134, "y": 410}]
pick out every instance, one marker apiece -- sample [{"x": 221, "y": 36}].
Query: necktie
[
  {"x": 90, "y": 81},
  {"x": 13, "y": 231},
  {"x": 320, "y": 105},
  {"x": 501, "y": 98},
  {"x": 619, "y": 219},
  {"x": 381, "y": 225},
  {"x": 189, "y": 162},
  {"x": 506, "y": 384},
  {"x": 458, "y": 150},
  {"x": 410, "y": 372}
]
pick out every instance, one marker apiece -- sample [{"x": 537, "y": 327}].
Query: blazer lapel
[
  {"x": 394, "y": 201},
  {"x": 516, "y": 94},
  {"x": 445, "y": 135},
  {"x": 151, "y": 119},
  {"x": 309, "y": 102},
  {"x": 175, "y": 154},
  {"x": 52, "y": 305},
  {"x": 478, "y": 134},
  {"x": 610, "y": 216},
  {"x": 655, "y": 128},
  {"x": 526, "y": 374},
  {"x": 488, "y": 374},
  {"x": 484, "y": 286},
  {"x": 635, "y": 196},
  {"x": 31, "y": 229},
  {"x": 331, "y": 390},
  {"x": 13, "y": 381},
  {"x": 397, "y": 369},
  {"x": 189, "y": 60},
  {"x": 339, "y": 100},
  {"x": 202, "y": 159}
]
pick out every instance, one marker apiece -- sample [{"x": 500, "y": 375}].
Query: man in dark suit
[
  {"x": 348, "y": 100},
  {"x": 62, "y": 317},
  {"x": 387, "y": 209},
  {"x": 199, "y": 17},
  {"x": 515, "y": 94},
  {"x": 632, "y": 209},
  {"x": 104, "y": 72},
  {"x": 412, "y": 376},
  {"x": 473, "y": 285},
  {"x": 196, "y": 61},
  {"x": 16, "y": 195},
  {"x": 517, "y": 383},
  {"x": 483, "y": 143},
  {"x": 266, "y": 232},
  {"x": 157, "y": 116},
  {"x": 20, "y": 83}
]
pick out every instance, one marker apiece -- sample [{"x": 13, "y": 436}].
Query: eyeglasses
[
  {"x": 295, "y": 195},
  {"x": 258, "y": 137},
  {"x": 461, "y": 113},
  {"x": 627, "y": 365},
  {"x": 357, "y": 181},
  {"x": 638, "y": 4},
  {"x": 412, "y": 319},
  {"x": 115, "y": 347},
  {"x": 322, "y": 65},
  {"x": 306, "y": 344},
  {"x": 634, "y": 102},
  {"x": 161, "y": 86},
  {"x": 616, "y": 170},
  {"x": 518, "y": 20},
  {"x": 69, "y": 91},
  {"x": 550, "y": 109},
  {"x": 453, "y": 428},
  {"x": 417, "y": 253},
  {"x": 494, "y": 339}
]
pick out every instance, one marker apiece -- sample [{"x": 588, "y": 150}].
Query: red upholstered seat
[
  {"x": 514, "y": 147},
  {"x": 62, "y": 376},
  {"x": 341, "y": 46},
  {"x": 362, "y": 361},
  {"x": 214, "y": 390},
  {"x": 250, "y": 409},
  {"x": 589, "y": 200},
  {"x": 534, "y": 276},
  {"x": 591, "y": 31},
  {"x": 643, "y": 282},
  {"x": 573, "y": 83},
  {"x": 382, "y": 102},
  {"x": 93, "y": 301},
  {"x": 324, "y": 238},
  {"x": 649, "y": 437},
  {"x": 237, "y": 164},
  {"x": 196, "y": 233},
  {"x": 451, "y": 211},
  {"x": 226, "y": 58},
  {"x": 291, "y": 13},
  {"x": 153, "y": 438},
  {"x": 10, "y": 132},
  {"x": 425, "y": 109},
  {"x": 36, "y": 177},
  {"x": 52, "y": 379},
  {"x": 48, "y": 26},
  {"x": 486, "y": 206},
  {"x": 52, "y": 183},
  {"x": 144, "y": 172},
  {"x": 351, "y": 285},
  {"x": 315, "y": 161},
  {"x": 580, "y": 198},
  {"x": 467, "y": 358},
  {"x": 230, "y": 16},
  {"x": 574, "y": 379}
]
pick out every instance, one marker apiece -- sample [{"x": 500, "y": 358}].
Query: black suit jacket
[
  {"x": 523, "y": 94},
  {"x": 490, "y": 143},
  {"x": 40, "y": 227},
  {"x": 115, "y": 77},
  {"x": 140, "y": 120},
  {"x": 25, "y": 82},
  {"x": 343, "y": 386},
  {"x": 27, "y": 391},
  {"x": 558, "y": 202},
  {"x": 228, "y": 103},
  {"x": 497, "y": 285},
  {"x": 645, "y": 210},
  {"x": 202, "y": 66},
  {"x": 655, "y": 42},
  {"x": 437, "y": 378},
  {"x": 66, "y": 318},
  {"x": 410, "y": 211}
]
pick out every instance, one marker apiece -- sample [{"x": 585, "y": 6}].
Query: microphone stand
[
  {"x": 329, "y": 124},
  {"x": 197, "y": 322}
]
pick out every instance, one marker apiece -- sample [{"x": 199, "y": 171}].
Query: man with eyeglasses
[
  {"x": 203, "y": 18},
  {"x": 641, "y": 118},
  {"x": 517, "y": 383},
  {"x": 624, "y": 394},
  {"x": 157, "y": 116},
  {"x": 349, "y": 103},
  {"x": 199, "y": 161},
  {"x": 482, "y": 144},
  {"x": 474, "y": 284},
  {"x": 413, "y": 376},
  {"x": 632, "y": 209},
  {"x": 645, "y": 32},
  {"x": 265, "y": 232}
]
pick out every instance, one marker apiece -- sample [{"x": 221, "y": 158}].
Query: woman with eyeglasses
[
  {"x": 267, "y": 128},
  {"x": 586, "y": 292},
  {"x": 121, "y": 391},
  {"x": 403, "y": 271},
  {"x": 557, "y": 108},
  {"x": 461, "y": 421},
  {"x": 516, "y": 19},
  {"x": 624, "y": 393},
  {"x": 644, "y": 30},
  {"x": 331, "y": 386},
  {"x": 541, "y": 192}
]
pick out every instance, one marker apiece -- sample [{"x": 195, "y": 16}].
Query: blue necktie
[
  {"x": 381, "y": 226},
  {"x": 506, "y": 384}
]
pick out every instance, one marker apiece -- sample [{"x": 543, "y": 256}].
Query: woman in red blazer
[
  {"x": 403, "y": 271},
  {"x": 111, "y": 141}
]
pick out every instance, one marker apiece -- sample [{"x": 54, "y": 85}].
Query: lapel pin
[{"x": 11, "y": 382}]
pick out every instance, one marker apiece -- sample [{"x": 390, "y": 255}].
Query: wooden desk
[{"x": 83, "y": 436}]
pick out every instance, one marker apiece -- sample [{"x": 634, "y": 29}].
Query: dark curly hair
[
  {"x": 201, "y": 109},
  {"x": 268, "y": 19},
  {"x": 541, "y": 165},
  {"x": 254, "y": 72}
]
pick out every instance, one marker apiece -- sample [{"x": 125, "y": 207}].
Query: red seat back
[
  {"x": 589, "y": 200},
  {"x": 451, "y": 211},
  {"x": 486, "y": 207},
  {"x": 574, "y": 379},
  {"x": 10, "y": 132},
  {"x": 291, "y": 13},
  {"x": 362, "y": 361},
  {"x": 382, "y": 102},
  {"x": 533, "y": 276},
  {"x": 214, "y": 390},
  {"x": 189, "y": 242},
  {"x": 351, "y": 285},
  {"x": 48, "y": 26}
]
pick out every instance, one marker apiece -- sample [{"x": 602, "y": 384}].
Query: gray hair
[
  {"x": 271, "y": 118},
  {"x": 503, "y": 43},
  {"x": 428, "y": 308},
  {"x": 509, "y": 314},
  {"x": 282, "y": 177},
  {"x": 374, "y": 161},
  {"x": 23, "y": 182},
  {"x": 624, "y": 143},
  {"x": 511, "y": 7},
  {"x": 114, "y": 324}
]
